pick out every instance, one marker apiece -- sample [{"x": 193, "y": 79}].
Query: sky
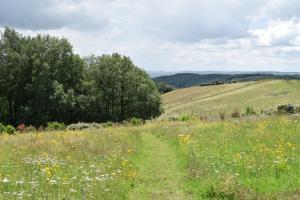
[{"x": 170, "y": 35}]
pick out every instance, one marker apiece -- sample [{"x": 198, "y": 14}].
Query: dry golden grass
[{"x": 210, "y": 100}]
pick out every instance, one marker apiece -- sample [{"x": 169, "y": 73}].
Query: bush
[
  {"x": 10, "y": 130},
  {"x": 173, "y": 118},
  {"x": 182, "y": 118},
  {"x": 288, "y": 109},
  {"x": 21, "y": 128},
  {"x": 185, "y": 118},
  {"x": 55, "y": 126},
  {"x": 236, "y": 114},
  {"x": 136, "y": 121},
  {"x": 41, "y": 128},
  {"x": 107, "y": 124},
  {"x": 2, "y": 128},
  {"x": 250, "y": 111},
  {"x": 82, "y": 126},
  {"x": 30, "y": 129}
]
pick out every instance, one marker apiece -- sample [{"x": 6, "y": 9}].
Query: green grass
[
  {"x": 68, "y": 165},
  {"x": 210, "y": 100},
  {"x": 159, "y": 175},
  {"x": 248, "y": 158},
  {"x": 244, "y": 159},
  {"x": 253, "y": 157}
]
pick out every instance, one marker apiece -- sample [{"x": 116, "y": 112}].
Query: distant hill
[
  {"x": 210, "y": 100},
  {"x": 183, "y": 80}
]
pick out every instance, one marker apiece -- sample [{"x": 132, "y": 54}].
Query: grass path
[{"x": 159, "y": 176}]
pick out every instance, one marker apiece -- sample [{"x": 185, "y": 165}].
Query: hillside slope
[
  {"x": 184, "y": 80},
  {"x": 210, "y": 100}
]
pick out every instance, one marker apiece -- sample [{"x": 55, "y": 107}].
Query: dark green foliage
[
  {"x": 136, "y": 122},
  {"x": 122, "y": 90},
  {"x": 43, "y": 80},
  {"x": 183, "y": 80},
  {"x": 2, "y": 128},
  {"x": 250, "y": 111},
  {"x": 288, "y": 109},
  {"x": 9, "y": 130},
  {"x": 55, "y": 126},
  {"x": 164, "y": 88}
]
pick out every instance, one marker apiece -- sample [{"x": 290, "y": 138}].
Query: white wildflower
[{"x": 5, "y": 180}]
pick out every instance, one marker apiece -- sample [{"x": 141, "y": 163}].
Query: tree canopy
[{"x": 43, "y": 80}]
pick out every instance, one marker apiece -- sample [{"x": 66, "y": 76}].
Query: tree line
[{"x": 43, "y": 80}]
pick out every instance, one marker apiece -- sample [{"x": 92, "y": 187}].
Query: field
[
  {"x": 210, "y": 100},
  {"x": 254, "y": 157},
  {"x": 68, "y": 165}
]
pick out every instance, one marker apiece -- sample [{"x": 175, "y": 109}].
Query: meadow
[
  {"x": 208, "y": 101},
  {"x": 189, "y": 157},
  {"x": 238, "y": 159},
  {"x": 95, "y": 164},
  {"x": 249, "y": 158}
]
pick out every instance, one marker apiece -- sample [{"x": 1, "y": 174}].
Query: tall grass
[
  {"x": 241, "y": 159},
  {"x": 68, "y": 164},
  {"x": 245, "y": 158}
]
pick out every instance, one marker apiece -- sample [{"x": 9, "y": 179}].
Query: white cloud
[
  {"x": 278, "y": 32},
  {"x": 171, "y": 34}
]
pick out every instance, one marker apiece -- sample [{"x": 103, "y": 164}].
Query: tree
[
  {"x": 43, "y": 80},
  {"x": 124, "y": 90},
  {"x": 32, "y": 70},
  {"x": 56, "y": 80},
  {"x": 164, "y": 88},
  {"x": 12, "y": 71}
]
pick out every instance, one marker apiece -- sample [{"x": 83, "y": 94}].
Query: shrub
[
  {"x": 107, "y": 124},
  {"x": 185, "y": 118},
  {"x": 250, "y": 111},
  {"x": 10, "y": 130},
  {"x": 30, "y": 129},
  {"x": 136, "y": 121},
  {"x": 288, "y": 108},
  {"x": 21, "y": 128},
  {"x": 236, "y": 114},
  {"x": 41, "y": 128},
  {"x": 54, "y": 126},
  {"x": 2, "y": 128},
  {"x": 182, "y": 118},
  {"x": 222, "y": 115},
  {"x": 173, "y": 118},
  {"x": 82, "y": 126}
]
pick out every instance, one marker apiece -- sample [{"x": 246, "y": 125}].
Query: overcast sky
[{"x": 171, "y": 35}]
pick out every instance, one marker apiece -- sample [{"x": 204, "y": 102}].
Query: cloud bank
[{"x": 171, "y": 35}]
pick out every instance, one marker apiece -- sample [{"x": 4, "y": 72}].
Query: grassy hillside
[
  {"x": 184, "y": 80},
  {"x": 210, "y": 100},
  {"x": 246, "y": 159}
]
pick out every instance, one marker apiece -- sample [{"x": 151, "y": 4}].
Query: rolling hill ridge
[
  {"x": 184, "y": 80},
  {"x": 210, "y": 100}
]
